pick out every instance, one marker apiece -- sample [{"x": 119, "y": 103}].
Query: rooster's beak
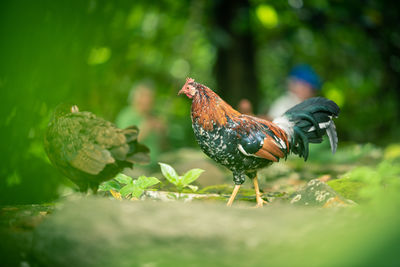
[{"x": 181, "y": 91}]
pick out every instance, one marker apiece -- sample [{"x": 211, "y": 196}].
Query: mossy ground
[
  {"x": 348, "y": 188},
  {"x": 89, "y": 231}
]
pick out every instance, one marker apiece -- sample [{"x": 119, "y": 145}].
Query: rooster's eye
[{"x": 187, "y": 87}]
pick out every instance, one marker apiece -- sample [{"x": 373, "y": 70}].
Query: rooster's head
[{"x": 189, "y": 89}]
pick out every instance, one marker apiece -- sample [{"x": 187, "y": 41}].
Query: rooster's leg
[
  {"x": 260, "y": 201},
  {"x": 232, "y": 198}
]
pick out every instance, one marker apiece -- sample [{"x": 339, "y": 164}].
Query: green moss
[
  {"x": 211, "y": 199},
  {"x": 247, "y": 192},
  {"x": 392, "y": 151},
  {"x": 224, "y": 189},
  {"x": 217, "y": 189},
  {"x": 348, "y": 188}
]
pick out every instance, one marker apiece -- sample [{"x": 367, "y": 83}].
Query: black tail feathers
[{"x": 311, "y": 120}]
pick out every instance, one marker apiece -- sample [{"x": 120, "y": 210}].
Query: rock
[
  {"x": 102, "y": 232},
  {"x": 318, "y": 193}
]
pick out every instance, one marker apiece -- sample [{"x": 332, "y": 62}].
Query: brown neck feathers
[{"x": 208, "y": 109}]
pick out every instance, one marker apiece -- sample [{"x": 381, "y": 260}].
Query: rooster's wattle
[{"x": 245, "y": 143}]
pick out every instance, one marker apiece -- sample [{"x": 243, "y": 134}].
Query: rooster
[
  {"x": 244, "y": 143},
  {"x": 88, "y": 149}
]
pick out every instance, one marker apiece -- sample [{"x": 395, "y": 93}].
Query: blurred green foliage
[
  {"x": 92, "y": 52},
  {"x": 370, "y": 183}
]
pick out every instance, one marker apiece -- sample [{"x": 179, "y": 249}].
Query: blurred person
[
  {"x": 303, "y": 83},
  {"x": 140, "y": 112},
  {"x": 245, "y": 107}
]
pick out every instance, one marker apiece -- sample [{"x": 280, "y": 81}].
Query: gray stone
[{"x": 318, "y": 193}]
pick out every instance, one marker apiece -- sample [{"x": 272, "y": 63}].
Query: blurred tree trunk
[
  {"x": 235, "y": 65},
  {"x": 386, "y": 35}
]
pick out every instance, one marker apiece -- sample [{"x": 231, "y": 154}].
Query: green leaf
[
  {"x": 127, "y": 189},
  {"x": 137, "y": 192},
  {"x": 191, "y": 176},
  {"x": 169, "y": 173},
  {"x": 136, "y": 187},
  {"x": 123, "y": 179},
  {"x": 112, "y": 184},
  {"x": 144, "y": 182},
  {"x": 193, "y": 187}
]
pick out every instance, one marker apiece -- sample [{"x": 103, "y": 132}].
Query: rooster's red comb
[{"x": 189, "y": 80}]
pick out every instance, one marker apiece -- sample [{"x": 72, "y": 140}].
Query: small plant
[
  {"x": 132, "y": 189},
  {"x": 181, "y": 181},
  {"x": 123, "y": 186}
]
